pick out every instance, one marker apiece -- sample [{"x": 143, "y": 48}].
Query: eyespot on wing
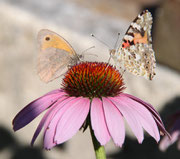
[{"x": 49, "y": 39}]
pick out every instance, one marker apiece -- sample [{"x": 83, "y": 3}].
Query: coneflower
[{"x": 92, "y": 95}]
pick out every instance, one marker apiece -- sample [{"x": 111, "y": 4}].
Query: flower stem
[{"x": 99, "y": 149}]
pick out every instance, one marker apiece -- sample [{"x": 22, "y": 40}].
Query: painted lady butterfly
[{"x": 135, "y": 53}]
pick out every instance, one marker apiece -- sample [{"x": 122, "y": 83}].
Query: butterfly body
[
  {"x": 135, "y": 53},
  {"x": 55, "y": 55}
]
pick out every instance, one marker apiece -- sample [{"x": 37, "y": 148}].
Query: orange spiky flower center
[{"x": 93, "y": 79}]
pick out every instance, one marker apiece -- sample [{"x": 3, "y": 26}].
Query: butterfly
[
  {"x": 135, "y": 53},
  {"x": 55, "y": 55}
]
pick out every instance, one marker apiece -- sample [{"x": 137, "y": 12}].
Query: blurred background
[{"x": 75, "y": 20}]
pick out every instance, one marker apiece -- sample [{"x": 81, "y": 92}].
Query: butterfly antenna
[
  {"x": 100, "y": 41},
  {"x": 82, "y": 54},
  {"x": 92, "y": 47},
  {"x": 92, "y": 55},
  {"x": 109, "y": 59},
  {"x": 113, "y": 50},
  {"x": 105, "y": 45},
  {"x": 115, "y": 46}
]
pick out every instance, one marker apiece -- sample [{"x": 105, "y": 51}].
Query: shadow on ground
[{"x": 19, "y": 151}]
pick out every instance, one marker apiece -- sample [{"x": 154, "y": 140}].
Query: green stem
[{"x": 99, "y": 150}]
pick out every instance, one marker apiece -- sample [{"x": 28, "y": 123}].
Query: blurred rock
[
  {"x": 124, "y": 9},
  {"x": 167, "y": 34}
]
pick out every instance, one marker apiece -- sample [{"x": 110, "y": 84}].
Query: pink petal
[
  {"x": 155, "y": 114},
  {"x": 98, "y": 121},
  {"x": 130, "y": 115},
  {"x": 72, "y": 119},
  {"x": 53, "y": 118},
  {"x": 147, "y": 105},
  {"x": 145, "y": 117},
  {"x": 175, "y": 136},
  {"x": 33, "y": 109},
  {"x": 39, "y": 128},
  {"x": 114, "y": 121},
  {"x": 162, "y": 128},
  {"x": 46, "y": 119},
  {"x": 166, "y": 142}
]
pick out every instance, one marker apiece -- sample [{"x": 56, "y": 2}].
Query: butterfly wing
[
  {"x": 55, "y": 54},
  {"x": 52, "y": 64},
  {"x": 135, "y": 53}
]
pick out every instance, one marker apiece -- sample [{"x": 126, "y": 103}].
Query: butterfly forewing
[
  {"x": 50, "y": 39},
  {"x": 135, "y": 53}
]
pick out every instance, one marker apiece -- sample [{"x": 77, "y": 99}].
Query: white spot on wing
[
  {"x": 135, "y": 25},
  {"x": 138, "y": 57},
  {"x": 128, "y": 37}
]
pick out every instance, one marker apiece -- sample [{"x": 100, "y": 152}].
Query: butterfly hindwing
[{"x": 52, "y": 63}]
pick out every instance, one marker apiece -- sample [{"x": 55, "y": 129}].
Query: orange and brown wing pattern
[{"x": 135, "y": 53}]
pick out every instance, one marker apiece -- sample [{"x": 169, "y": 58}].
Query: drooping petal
[
  {"x": 46, "y": 119},
  {"x": 147, "y": 105},
  {"x": 53, "y": 118},
  {"x": 98, "y": 121},
  {"x": 145, "y": 117},
  {"x": 130, "y": 116},
  {"x": 166, "y": 142},
  {"x": 33, "y": 109},
  {"x": 39, "y": 128},
  {"x": 114, "y": 122},
  {"x": 72, "y": 119},
  {"x": 175, "y": 136},
  {"x": 162, "y": 128},
  {"x": 155, "y": 114}
]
